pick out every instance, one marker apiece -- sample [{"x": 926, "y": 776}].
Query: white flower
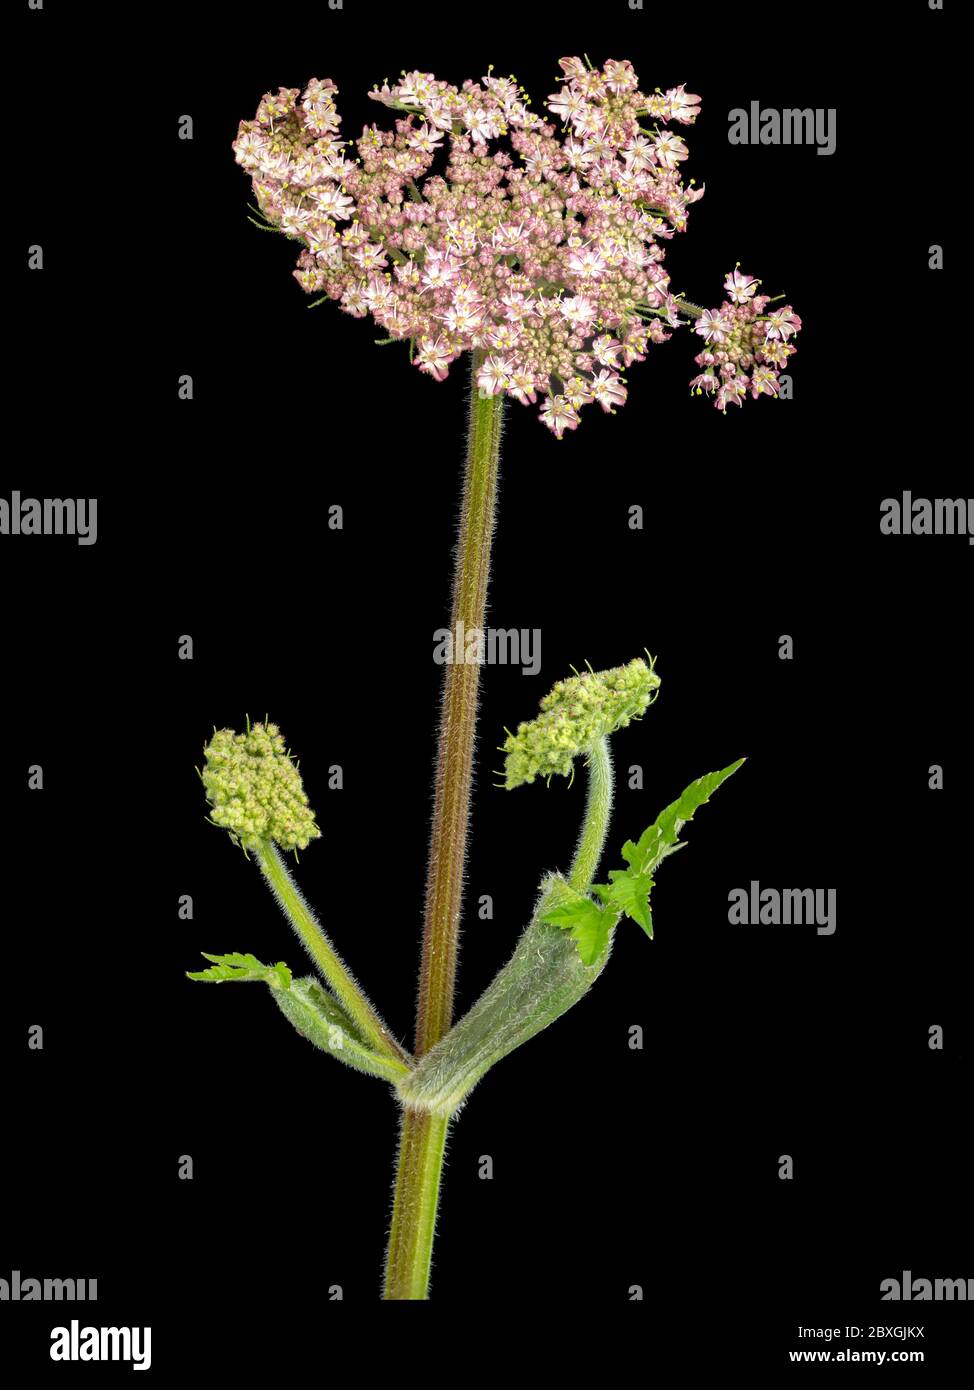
[
  {"x": 506, "y": 240},
  {"x": 619, "y": 76},
  {"x": 578, "y": 153},
  {"x": 740, "y": 287},
  {"x": 670, "y": 149},
  {"x": 684, "y": 105},
  {"x": 638, "y": 154},
  {"x": 249, "y": 148},
  {"x": 416, "y": 88},
  {"x": 566, "y": 104},
  {"x": 483, "y": 125},
  {"x": 377, "y": 294},
  {"x": 782, "y": 323},
  {"x": 434, "y": 356},
  {"x": 579, "y": 311},
  {"x": 369, "y": 257},
  {"x": 334, "y": 203},
  {"x": 295, "y": 220},
  {"x": 522, "y": 387},
  {"x": 505, "y": 336},
  {"x": 439, "y": 270},
  {"x": 605, "y": 350},
  {"x": 426, "y": 138},
  {"x": 462, "y": 320},
  {"x": 608, "y": 390},
  {"x": 587, "y": 264},
  {"x": 712, "y": 326},
  {"x": 764, "y": 381},
  {"x": 494, "y": 376},
  {"x": 559, "y": 415}
]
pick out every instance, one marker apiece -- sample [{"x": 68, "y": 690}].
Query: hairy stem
[
  {"x": 422, "y": 1145},
  {"x": 370, "y": 1026},
  {"x": 595, "y": 826},
  {"x": 454, "y": 764},
  {"x": 544, "y": 978},
  {"x": 685, "y": 307},
  {"x": 423, "y": 1136}
]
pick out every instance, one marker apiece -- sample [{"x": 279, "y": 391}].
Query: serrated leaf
[
  {"x": 239, "y": 966},
  {"x": 697, "y": 793},
  {"x": 628, "y": 893},
  {"x": 661, "y": 838},
  {"x": 586, "y": 922}
]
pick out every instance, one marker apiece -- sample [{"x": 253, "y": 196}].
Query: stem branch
[
  {"x": 598, "y": 807},
  {"x": 330, "y": 963}
]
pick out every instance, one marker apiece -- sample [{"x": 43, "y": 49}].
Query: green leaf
[
  {"x": 628, "y": 893},
  {"x": 314, "y": 1012},
  {"x": 584, "y": 920},
  {"x": 237, "y": 966},
  {"x": 661, "y": 838},
  {"x": 697, "y": 793}
]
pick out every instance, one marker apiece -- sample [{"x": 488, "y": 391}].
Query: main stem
[
  {"x": 454, "y": 761},
  {"x": 423, "y": 1136}
]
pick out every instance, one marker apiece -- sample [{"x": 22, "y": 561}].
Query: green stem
[
  {"x": 685, "y": 307},
  {"x": 423, "y": 1136},
  {"x": 353, "y": 1000},
  {"x": 422, "y": 1146},
  {"x": 595, "y": 826}
]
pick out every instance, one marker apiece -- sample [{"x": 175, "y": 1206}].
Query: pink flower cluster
[
  {"x": 742, "y": 337},
  {"x": 544, "y": 256}
]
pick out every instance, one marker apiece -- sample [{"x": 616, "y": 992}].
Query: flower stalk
[
  {"x": 454, "y": 762},
  {"x": 598, "y": 810},
  {"x": 347, "y": 990},
  {"x": 423, "y": 1137}
]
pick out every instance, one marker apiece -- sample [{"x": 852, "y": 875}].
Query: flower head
[
  {"x": 742, "y": 337},
  {"x": 255, "y": 790},
  {"x": 544, "y": 255},
  {"x": 575, "y": 714},
  {"x": 532, "y": 252}
]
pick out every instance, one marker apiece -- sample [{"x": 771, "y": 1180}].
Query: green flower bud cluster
[
  {"x": 255, "y": 790},
  {"x": 576, "y": 713}
]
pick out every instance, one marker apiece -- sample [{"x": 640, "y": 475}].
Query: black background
[{"x": 612, "y": 1167}]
